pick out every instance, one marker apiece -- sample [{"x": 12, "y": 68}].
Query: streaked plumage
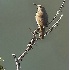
[{"x": 41, "y": 19}]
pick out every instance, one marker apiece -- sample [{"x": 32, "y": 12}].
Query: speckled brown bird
[{"x": 41, "y": 19}]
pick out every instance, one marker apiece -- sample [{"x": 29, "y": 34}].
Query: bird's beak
[{"x": 34, "y": 4}]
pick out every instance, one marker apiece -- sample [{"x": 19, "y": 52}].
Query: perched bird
[{"x": 41, "y": 19}]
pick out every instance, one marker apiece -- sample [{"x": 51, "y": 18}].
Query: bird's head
[{"x": 38, "y": 6}]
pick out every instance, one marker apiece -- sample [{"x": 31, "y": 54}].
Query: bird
[{"x": 41, "y": 18}]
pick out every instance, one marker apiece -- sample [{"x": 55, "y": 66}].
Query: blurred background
[{"x": 16, "y": 17}]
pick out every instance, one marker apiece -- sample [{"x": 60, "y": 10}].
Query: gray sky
[{"x": 16, "y": 17}]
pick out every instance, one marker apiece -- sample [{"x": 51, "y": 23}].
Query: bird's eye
[{"x": 40, "y": 6}]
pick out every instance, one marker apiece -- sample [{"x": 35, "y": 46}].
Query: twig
[
  {"x": 29, "y": 47},
  {"x": 17, "y": 62}
]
